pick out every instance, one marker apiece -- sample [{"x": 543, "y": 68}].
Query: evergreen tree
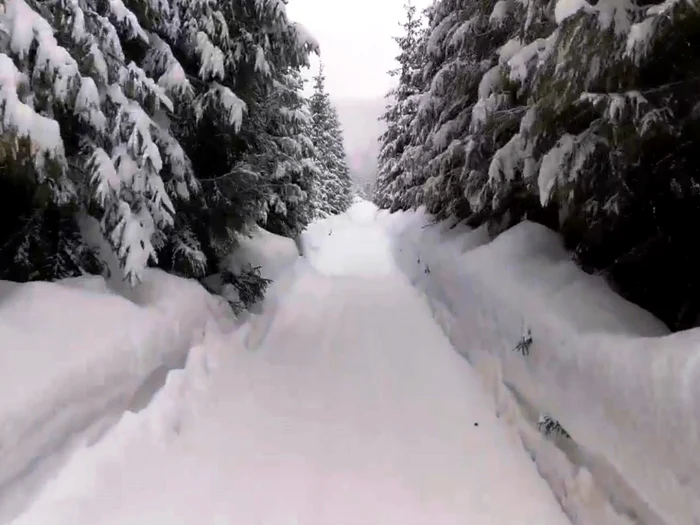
[
  {"x": 400, "y": 112},
  {"x": 581, "y": 118},
  {"x": 335, "y": 190},
  {"x": 292, "y": 156},
  {"x": 610, "y": 127},
  {"x": 81, "y": 135},
  {"x": 170, "y": 124},
  {"x": 244, "y": 55}
]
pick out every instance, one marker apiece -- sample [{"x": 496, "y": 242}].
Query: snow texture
[
  {"x": 274, "y": 254},
  {"x": 75, "y": 355},
  {"x": 351, "y": 407},
  {"x": 567, "y": 8},
  {"x": 21, "y": 120},
  {"x": 624, "y": 389}
]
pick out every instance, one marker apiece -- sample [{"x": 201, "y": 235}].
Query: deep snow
[
  {"x": 351, "y": 407},
  {"x": 625, "y": 390},
  {"x": 76, "y": 354}
]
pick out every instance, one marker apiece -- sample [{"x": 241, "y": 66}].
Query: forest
[
  {"x": 583, "y": 117},
  {"x": 137, "y": 133}
]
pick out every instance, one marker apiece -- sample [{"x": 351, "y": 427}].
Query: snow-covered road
[{"x": 345, "y": 405}]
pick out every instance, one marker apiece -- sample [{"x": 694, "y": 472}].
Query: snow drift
[
  {"x": 626, "y": 391},
  {"x": 75, "y": 354},
  {"x": 273, "y": 253},
  {"x": 78, "y": 353}
]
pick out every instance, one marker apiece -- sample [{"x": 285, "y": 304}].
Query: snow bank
[
  {"x": 73, "y": 354},
  {"x": 625, "y": 390},
  {"x": 137, "y": 454},
  {"x": 274, "y": 254}
]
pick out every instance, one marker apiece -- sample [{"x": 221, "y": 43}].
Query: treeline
[
  {"x": 582, "y": 117},
  {"x": 136, "y": 133}
]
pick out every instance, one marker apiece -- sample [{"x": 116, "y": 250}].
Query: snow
[
  {"x": 87, "y": 104},
  {"x": 570, "y": 152},
  {"x": 304, "y": 37},
  {"x": 350, "y": 407},
  {"x": 160, "y": 59},
  {"x": 521, "y": 61},
  {"x": 326, "y": 243},
  {"x": 509, "y": 50},
  {"x": 552, "y": 165},
  {"x": 127, "y": 19},
  {"x": 224, "y": 101},
  {"x": 346, "y": 400},
  {"x": 210, "y": 56},
  {"x": 505, "y": 162},
  {"x": 74, "y": 355},
  {"x": 499, "y": 13},
  {"x": 274, "y": 254},
  {"x": 639, "y": 38},
  {"x": 624, "y": 389},
  {"x": 233, "y": 106},
  {"x": 490, "y": 82},
  {"x": 21, "y": 119},
  {"x": 568, "y": 8},
  {"x": 104, "y": 178}
]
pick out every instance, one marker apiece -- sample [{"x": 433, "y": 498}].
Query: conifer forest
[
  {"x": 584, "y": 117},
  {"x": 149, "y": 132}
]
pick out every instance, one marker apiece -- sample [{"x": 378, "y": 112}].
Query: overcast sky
[{"x": 356, "y": 44}]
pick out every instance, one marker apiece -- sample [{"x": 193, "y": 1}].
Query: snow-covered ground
[
  {"x": 348, "y": 406},
  {"x": 76, "y": 354},
  {"x": 626, "y": 391}
]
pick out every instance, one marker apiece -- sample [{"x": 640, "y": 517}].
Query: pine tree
[
  {"x": 335, "y": 190},
  {"x": 292, "y": 158},
  {"x": 84, "y": 134},
  {"x": 400, "y": 112},
  {"x": 153, "y": 119},
  {"x": 582, "y": 119},
  {"x": 242, "y": 53}
]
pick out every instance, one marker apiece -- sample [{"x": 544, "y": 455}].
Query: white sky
[{"x": 356, "y": 42}]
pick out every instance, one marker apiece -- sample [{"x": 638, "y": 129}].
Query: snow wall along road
[{"x": 626, "y": 391}]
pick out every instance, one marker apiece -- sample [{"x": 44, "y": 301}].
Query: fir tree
[
  {"x": 81, "y": 123},
  {"x": 335, "y": 190},
  {"x": 581, "y": 119},
  {"x": 161, "y": 121},
  {"x": 243, "y": 55},
  {"x": 292, "y": 157},
  {"x": 400, "y": 112},
  {"x": 602, "y": 146}
]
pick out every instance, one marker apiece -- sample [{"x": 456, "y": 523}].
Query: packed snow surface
[{"x": 351, "y": 408}]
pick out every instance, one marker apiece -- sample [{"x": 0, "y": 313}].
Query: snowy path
[{"x": 352, "y": 409}]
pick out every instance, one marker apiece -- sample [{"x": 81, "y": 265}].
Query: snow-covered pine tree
[
  {"x": 80, "y": 129},
  {"x": 335, "y": 190},
  {"x": 606, "y": 144},
  {"x": 291, "y": 156},
  {"x": 464, "y": 46},
  {"x": 400, "y": 112},
  {"x": 341, "y": 200},
  {"x": 238, "y": 54},
  {"x": 497, "y": 182},
  {"x": 108, "y": 111},
  {"x": 582, "y": 117}
]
